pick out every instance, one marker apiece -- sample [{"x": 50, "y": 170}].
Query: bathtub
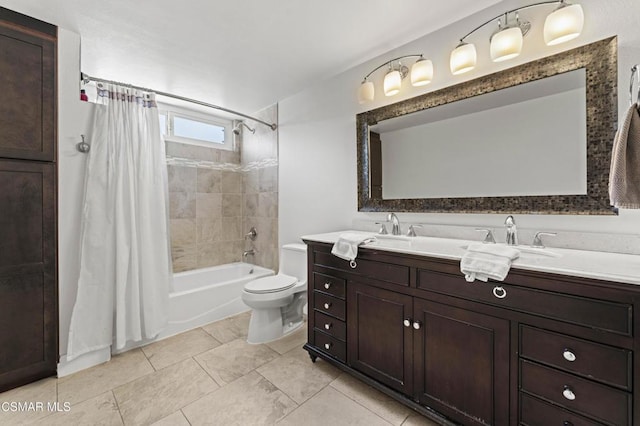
[{"x": 205, "y": 295}]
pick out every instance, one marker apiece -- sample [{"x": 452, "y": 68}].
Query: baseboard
[{"x": 82, "y": 362}]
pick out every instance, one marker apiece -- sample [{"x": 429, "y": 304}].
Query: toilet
[{"x": 277, "y": 301}]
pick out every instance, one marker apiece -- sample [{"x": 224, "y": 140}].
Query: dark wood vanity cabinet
[
  {"x": 28, "y": 224},
  {"x": 535, "y": 350}
]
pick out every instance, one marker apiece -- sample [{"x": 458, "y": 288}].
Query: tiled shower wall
[
  {"x": 260, "y": 191},
  {"x": 215, "y": 198}
]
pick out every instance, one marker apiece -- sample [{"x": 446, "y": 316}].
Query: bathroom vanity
[{"x": 555, "y": 343}]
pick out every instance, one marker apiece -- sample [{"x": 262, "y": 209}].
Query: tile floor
[{"x": 210, "y": 376}]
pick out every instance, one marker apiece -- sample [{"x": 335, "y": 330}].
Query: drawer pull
[
  {"x": 567, "y": 423},
  {"x": 327, "y": 305},
  {"x": 327, "y": 346},
  {"x": 327, "y": 326},
  {"x": 568, "y": 393},
  {"x": 353, "y": 264},
  {"x": 499, "y": 292},
  {"x": 416, "y": 325},
  {"x": 407, "y": 322},
  {"x": 569, "y": 355},
  {"x": 327, "y": 285}
]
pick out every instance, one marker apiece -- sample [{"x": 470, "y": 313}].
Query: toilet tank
[{"x": 293, "y": 260}]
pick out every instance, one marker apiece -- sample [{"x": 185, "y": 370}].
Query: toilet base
[{"x": 266, "y": 325}]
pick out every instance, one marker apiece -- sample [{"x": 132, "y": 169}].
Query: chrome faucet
[
  {"x": 251, "y": 252},
  {"x": 512, "y": 231},
  {"x": 395, "y": 223}
]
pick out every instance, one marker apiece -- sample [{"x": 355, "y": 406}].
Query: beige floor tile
[
  {"x": 233, "y": 360},
  {"x": 122, "y": 368},
  {"x": 175, "y": 419},
  {"x": 229, "y": 329},
  {"x": 100, "y": 410},
  {"x": 297, "y": 376},
  {"x": 330, "y": 407},
  {"x": 159, "y": 394},
  {"x": 291, "y": 341},
  {"x": 43, "y": 391},
  {"x": 180, "y": 347},
  {"x": 418, "y": 420},
  {"x": 384, "y": 406},
  {"x": 250, "y": 400}
]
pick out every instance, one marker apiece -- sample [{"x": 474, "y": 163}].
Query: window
[{"x": 195, "y": 128}]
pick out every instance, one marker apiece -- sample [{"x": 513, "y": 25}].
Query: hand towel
[
  {"x": 484, "y": 261},
  {"x": 347, "y": 245},
  {"x": 624, "y": 175}
]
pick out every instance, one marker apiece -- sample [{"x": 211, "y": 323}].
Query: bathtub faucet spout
[{"x": 248, "y": 253}]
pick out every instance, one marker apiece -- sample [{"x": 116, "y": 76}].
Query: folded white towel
[
  {"x": 347, "y": 245},
  {"x": 484, "y": 261}
]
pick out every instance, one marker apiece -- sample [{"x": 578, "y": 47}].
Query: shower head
[{"x": 237, "y": 130}]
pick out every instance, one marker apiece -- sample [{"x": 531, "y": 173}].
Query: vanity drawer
[
  {"x": 608, "y": 405},
  {"x": 329, "y": 305},
  {"x": 593, "y": 313},
  {"x": 397, "y": 274},
  {"x": 330, "y": 325},
  {"x": 328, "y": 284},
  {"x": 330, "y": 345},
  {"x": 599, "y": 362},
  {"x": 534, "y": 412}
]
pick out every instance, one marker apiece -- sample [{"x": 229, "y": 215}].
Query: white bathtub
[{"x": 205, "y": 295}]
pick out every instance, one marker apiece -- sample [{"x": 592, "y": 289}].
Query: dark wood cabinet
[
  {"x": 28, "y": 227},
  {"x": 380, "y": 342},
  {"x": 536, "y": 349},
  {"x": 462, "y": 363}
]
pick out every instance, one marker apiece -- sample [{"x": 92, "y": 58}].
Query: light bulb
[
  {"x": 506, "y": 44},
  {"x": 366, "y": 92},
  {"x": 421, "y": 72},
  {"x": 463, "y": 58},
  {"x": 392, "y": 83},
  {"x": 563, "y": 24}
]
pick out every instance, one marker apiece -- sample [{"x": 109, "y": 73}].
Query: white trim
[{"x": 82, "y": 362}]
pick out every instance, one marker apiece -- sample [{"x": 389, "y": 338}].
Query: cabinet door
[
  {"x": 378, "y": 343},
  {"x": 28, "y": 290},
  {"x": 462, "y": 363},
  {"x": 27, "y": 84}
]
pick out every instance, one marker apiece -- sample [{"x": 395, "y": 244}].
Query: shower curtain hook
[{"x": 83, "y": 147}]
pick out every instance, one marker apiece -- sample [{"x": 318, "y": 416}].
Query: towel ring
[{"x": 635, "y": 71}]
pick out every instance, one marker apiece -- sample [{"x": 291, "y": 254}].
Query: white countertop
[{"x": 624, "y": 268}]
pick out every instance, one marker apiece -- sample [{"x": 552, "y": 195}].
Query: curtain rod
[{"x": 86, "y": 78}]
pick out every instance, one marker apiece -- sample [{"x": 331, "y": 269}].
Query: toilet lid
[{"x": 270, "y": 284}]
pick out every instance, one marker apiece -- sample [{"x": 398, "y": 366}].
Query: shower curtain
[{"x": 125, "y": 267}]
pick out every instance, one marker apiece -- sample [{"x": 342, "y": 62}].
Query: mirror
[{"x": 535, "y": 138}]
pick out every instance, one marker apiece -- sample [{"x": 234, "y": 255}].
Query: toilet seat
[{"x": 271, "y": 284}]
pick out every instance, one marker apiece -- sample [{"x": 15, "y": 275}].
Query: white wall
[
  {"x": 73, "y": 121},
  {"x": 317, "y": 145}
]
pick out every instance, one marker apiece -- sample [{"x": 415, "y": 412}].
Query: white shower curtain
[{"x": 125, "y": 268}]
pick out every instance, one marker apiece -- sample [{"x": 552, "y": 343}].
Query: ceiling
[{"x": 240, "y": 54}]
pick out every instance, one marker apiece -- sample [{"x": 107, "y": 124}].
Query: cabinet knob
[
  {"x": 327, "y": 305},
  {"x": 568, "y": 355},
  {"x": 499, "y": 292},
  {"x": 327, "y": 285},
  {"x": 568, "y": 393},
  {"x": 407, "y": 322},
  {"x": 327, "y": 346},
  {"x": 567, "y": 423},
  {"x": 417, "y": 324},
  {"x": 327, "y": 326}
]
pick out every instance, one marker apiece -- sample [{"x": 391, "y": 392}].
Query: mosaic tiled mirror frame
[{"x": 600, "y": 62}]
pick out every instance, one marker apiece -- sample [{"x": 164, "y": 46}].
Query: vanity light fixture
[
  {"x": 563, "y": 24},
  {"x": 421, "y": 75}
]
